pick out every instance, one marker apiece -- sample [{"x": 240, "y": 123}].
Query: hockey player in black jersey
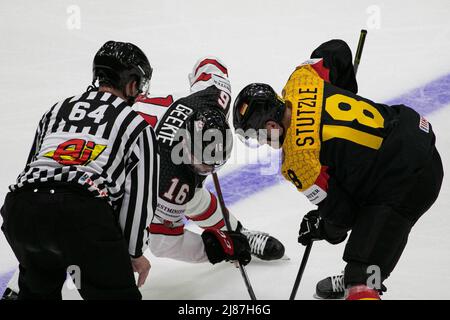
[
  {"x": 181, "y": 190},
  {"x": 370, "y": 168}
]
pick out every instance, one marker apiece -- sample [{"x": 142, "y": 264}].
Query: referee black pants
[{"x": 56, "y": 229}]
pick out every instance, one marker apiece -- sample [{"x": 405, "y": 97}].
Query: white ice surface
[{"x": 42, "y": 61}]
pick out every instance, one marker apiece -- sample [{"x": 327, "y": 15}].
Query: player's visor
[
  {"x": 257, "y": 138},
  {"x": 144, "y": 86}
]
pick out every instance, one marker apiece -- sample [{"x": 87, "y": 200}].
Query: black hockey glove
[
  {"x": 313, "y": 228},
  {"x": 310, "y": 228},
  {"x": 228, "y": 246}
]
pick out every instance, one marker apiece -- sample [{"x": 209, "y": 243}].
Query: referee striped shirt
[{"x": 97, "y": 141}]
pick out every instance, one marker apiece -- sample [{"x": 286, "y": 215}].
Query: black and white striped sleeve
[
  {"x": 39, "y": 135},
  {"x": 141, "y": 189},
  {"x": 34, "y": 146}
]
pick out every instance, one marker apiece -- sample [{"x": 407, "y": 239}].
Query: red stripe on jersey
[
  {"x": 152, "y": 120},
  {"x": 208, "y": 212},
  {"x": 213, "y": 62},
  {"x": 162, "y": 229},
  {"x": 218, "y": 225},
  {"x": 203, "y": 77},
  {"x": 159, "y": 101},
  {"x": 321, "y": 70},
  {"x": 322, "y": 179}
]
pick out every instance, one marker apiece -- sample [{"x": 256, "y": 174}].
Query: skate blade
[
  {"x": 315, "y": 296},
  {"x": 285, "y": 258}
]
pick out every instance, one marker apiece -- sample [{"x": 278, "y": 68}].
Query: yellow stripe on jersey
[
  {"x": 360, "y": 137},
  {"x": 303, "y": 93}
]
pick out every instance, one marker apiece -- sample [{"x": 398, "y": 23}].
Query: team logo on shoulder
[{"x": 76, "y": 152}]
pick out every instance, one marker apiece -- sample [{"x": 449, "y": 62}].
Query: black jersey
[
  {"x": 181, "y": 193},
  {"x": 177, "y": 183},
  {"x": 344, "y": 151}
]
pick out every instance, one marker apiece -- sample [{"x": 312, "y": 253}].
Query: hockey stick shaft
[
  {"x": 359, "y": 50},
  {"x": 300, "y": 271},
  {"x": 226, "y": 218}
]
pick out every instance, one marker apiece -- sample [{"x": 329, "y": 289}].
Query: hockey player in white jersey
[{"x": 181, "y": 191}]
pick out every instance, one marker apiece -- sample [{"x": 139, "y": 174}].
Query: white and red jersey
[
  {"x": 181, "y": 193},
  {"x": 207, "y": 72}
]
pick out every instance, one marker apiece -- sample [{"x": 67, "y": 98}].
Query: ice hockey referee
[{"x": 88, "y": 190}]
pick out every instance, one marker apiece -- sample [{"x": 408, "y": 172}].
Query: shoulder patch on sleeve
[{"x": 424, "y": 125}]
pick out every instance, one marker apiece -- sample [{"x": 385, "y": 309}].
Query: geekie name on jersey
[{"x": 173, "y": 123}]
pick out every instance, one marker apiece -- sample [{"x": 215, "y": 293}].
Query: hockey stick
[
  {"x": 226, "y": 218},
  {"x": 359, "y": 50},
  {"x": 300, "y": 271}
]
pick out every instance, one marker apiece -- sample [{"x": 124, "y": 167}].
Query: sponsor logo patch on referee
[{"x": 424, "y": 125}]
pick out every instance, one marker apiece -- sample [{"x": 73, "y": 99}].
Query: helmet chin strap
[
  {"x": 92, "y": 86},
  {"x": 282, "y": 136},
  {"x": 130, "y": 99},
  {"x": 280, "y": 122}
]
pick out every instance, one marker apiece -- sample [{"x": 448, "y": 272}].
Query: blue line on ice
[{"x": 4, "y": 279}]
